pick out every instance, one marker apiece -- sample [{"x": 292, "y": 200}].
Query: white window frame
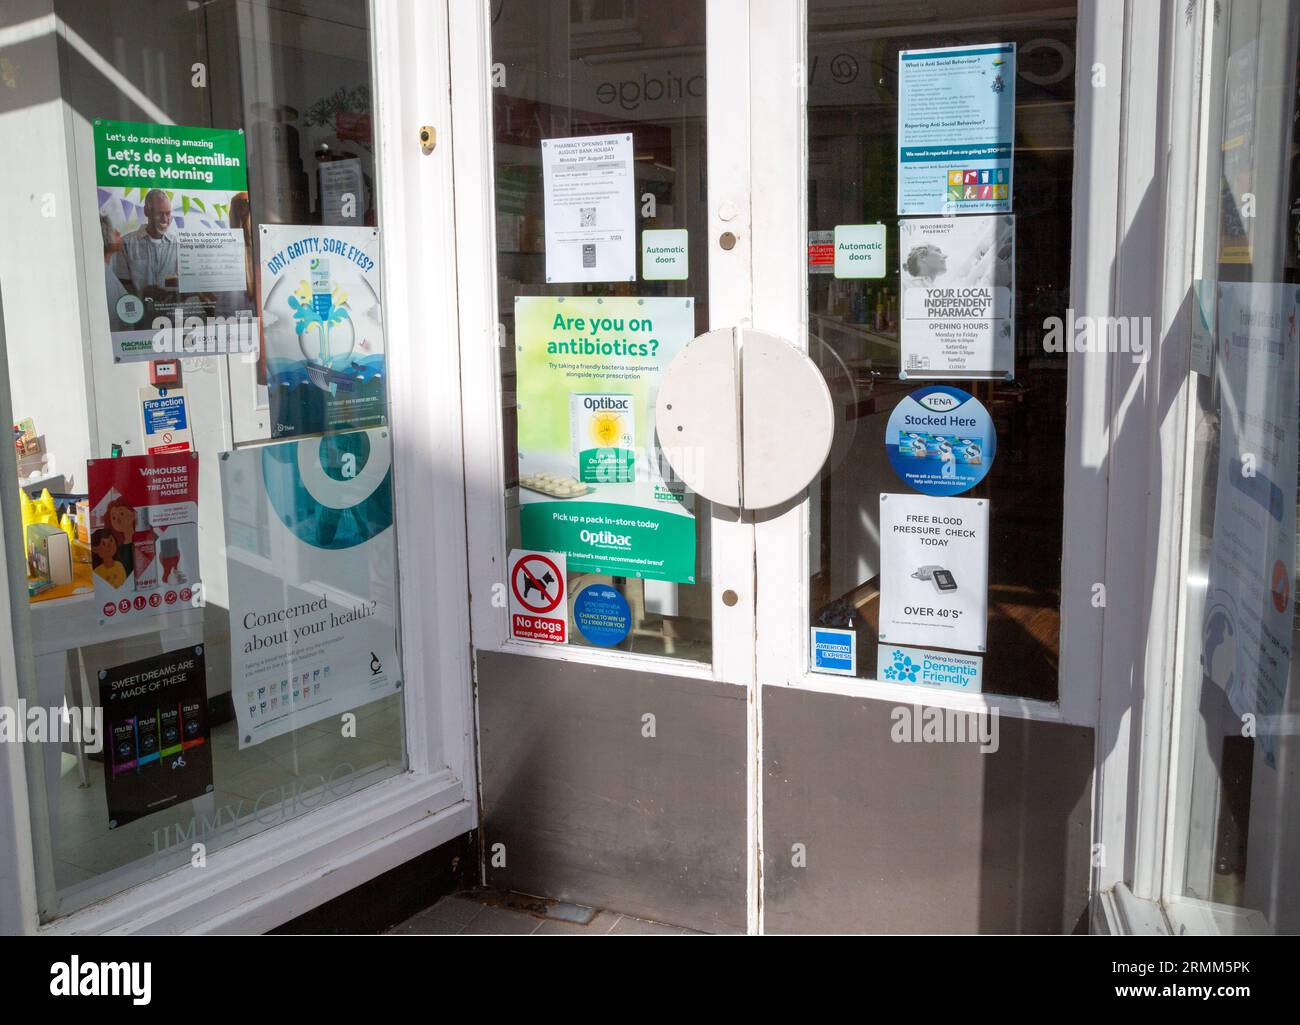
[{"x": 265, "y": 880}]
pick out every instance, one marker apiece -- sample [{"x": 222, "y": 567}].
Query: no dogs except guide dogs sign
[{"x": 538, "y": 611}]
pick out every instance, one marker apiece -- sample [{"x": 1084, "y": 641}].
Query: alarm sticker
[{"x": 941, "y": 441}]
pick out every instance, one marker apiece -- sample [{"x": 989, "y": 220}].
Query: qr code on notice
[
  {"x": 587, "y": 215},
  {"x": 589, "y": 255}
]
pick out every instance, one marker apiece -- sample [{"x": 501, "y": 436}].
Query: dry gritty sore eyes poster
[
  {"x": 311, "y": 564},
  {"x": 592, "y": 483},
  {"x": 176, "y": 229},
  {"x": 322, "y": 328}
]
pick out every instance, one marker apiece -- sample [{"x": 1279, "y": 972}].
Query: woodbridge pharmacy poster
[
  {"x": 322, "y": 329},
  {"x": 592, "y": 485},
  {"x": 956, "y": 129},
  {"x": 176, "y": 228},
  {"x": 310, "y": 558},
  {"x": 156, "y": 722},
  {"x": 144, "y": 536},
  {"x": 1250, "y": 604},
  {"x": 958, "y": 284}
]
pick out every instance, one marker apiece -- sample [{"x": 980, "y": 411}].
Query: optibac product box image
[{"x": 602, "y": 432}]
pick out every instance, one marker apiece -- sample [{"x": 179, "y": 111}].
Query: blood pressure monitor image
[{"x": 943, "y": 580}]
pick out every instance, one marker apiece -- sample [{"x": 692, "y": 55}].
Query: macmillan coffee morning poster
[
  {"x": 591, "y": 483},
  {"x": 176, "y": 228}
]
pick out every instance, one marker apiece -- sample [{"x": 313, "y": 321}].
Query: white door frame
[
  {"x": 1110, "y": 656},
  {"x": 265, "y": 880},
  {"x": 730, "y": 304}
]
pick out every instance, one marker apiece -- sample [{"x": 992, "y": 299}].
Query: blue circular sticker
[
  {"x": 941, "y": 440},
  {"x": 601, "y": 615}
]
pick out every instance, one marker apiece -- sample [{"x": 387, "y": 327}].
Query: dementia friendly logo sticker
[{"x": 941, "y": 441}]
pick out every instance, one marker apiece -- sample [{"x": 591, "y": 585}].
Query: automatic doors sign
[
  {"x": 537, "y": 608},
  {"x": 958, "y": 283},
  {"x": 934, "y": 571},
  {"x": 941, "y": 441}
]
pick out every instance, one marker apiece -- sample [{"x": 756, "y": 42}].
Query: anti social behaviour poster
[
  {"x": 176, "y": 228},
  {"x": 156, "y": 721},
  {"x": 322, "y": 329},
  {"x": 591, "y": 483},
  {"x": 956, "y": 129},
  {"x": 311, "y": 562}
]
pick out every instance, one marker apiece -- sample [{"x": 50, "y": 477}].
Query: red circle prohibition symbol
[{"x": 534, "y": 579}]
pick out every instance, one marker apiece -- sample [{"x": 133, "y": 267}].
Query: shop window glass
[
  {"x": 999, "y": 225},
  {"x": 196, "y": 360},
  {"x": 1236, "y": 807}
]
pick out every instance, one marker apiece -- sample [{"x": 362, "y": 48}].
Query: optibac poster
[
  {"x": 591, "y": 483},
  {"x": 176, "y": 227},
  {"x": 323, "y": 332}
]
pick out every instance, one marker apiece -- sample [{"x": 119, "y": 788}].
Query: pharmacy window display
[{"x": 209, "y": 530}]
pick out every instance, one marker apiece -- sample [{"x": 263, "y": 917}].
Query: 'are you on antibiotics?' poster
[{"x": 592, "y": 484}]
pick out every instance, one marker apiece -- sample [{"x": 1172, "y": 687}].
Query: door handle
[{"x": 744, "y": 418}]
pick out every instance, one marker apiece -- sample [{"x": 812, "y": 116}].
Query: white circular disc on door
[
  {"x": 789, "y": 420},
  {"x": 697, "y": 418}
]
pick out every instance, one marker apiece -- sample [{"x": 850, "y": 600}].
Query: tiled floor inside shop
[{"x": 485, "y": 913}]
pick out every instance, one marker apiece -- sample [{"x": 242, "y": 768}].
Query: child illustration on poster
[{"x": 144, "y": 533}]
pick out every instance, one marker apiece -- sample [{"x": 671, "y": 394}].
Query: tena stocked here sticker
[{"x": 941, "y": 441}]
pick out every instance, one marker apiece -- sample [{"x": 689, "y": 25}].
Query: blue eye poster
[
  {"x": 322, "y": 329},
  {"x": 956, "y": 129}
]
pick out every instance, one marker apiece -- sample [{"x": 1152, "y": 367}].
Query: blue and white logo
[
  {"x": 834, "y": 651},
  {"x": 941, "y": 441},
  {"x": 602, "y": 615},
  {"x": 941, "y": 670}
]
